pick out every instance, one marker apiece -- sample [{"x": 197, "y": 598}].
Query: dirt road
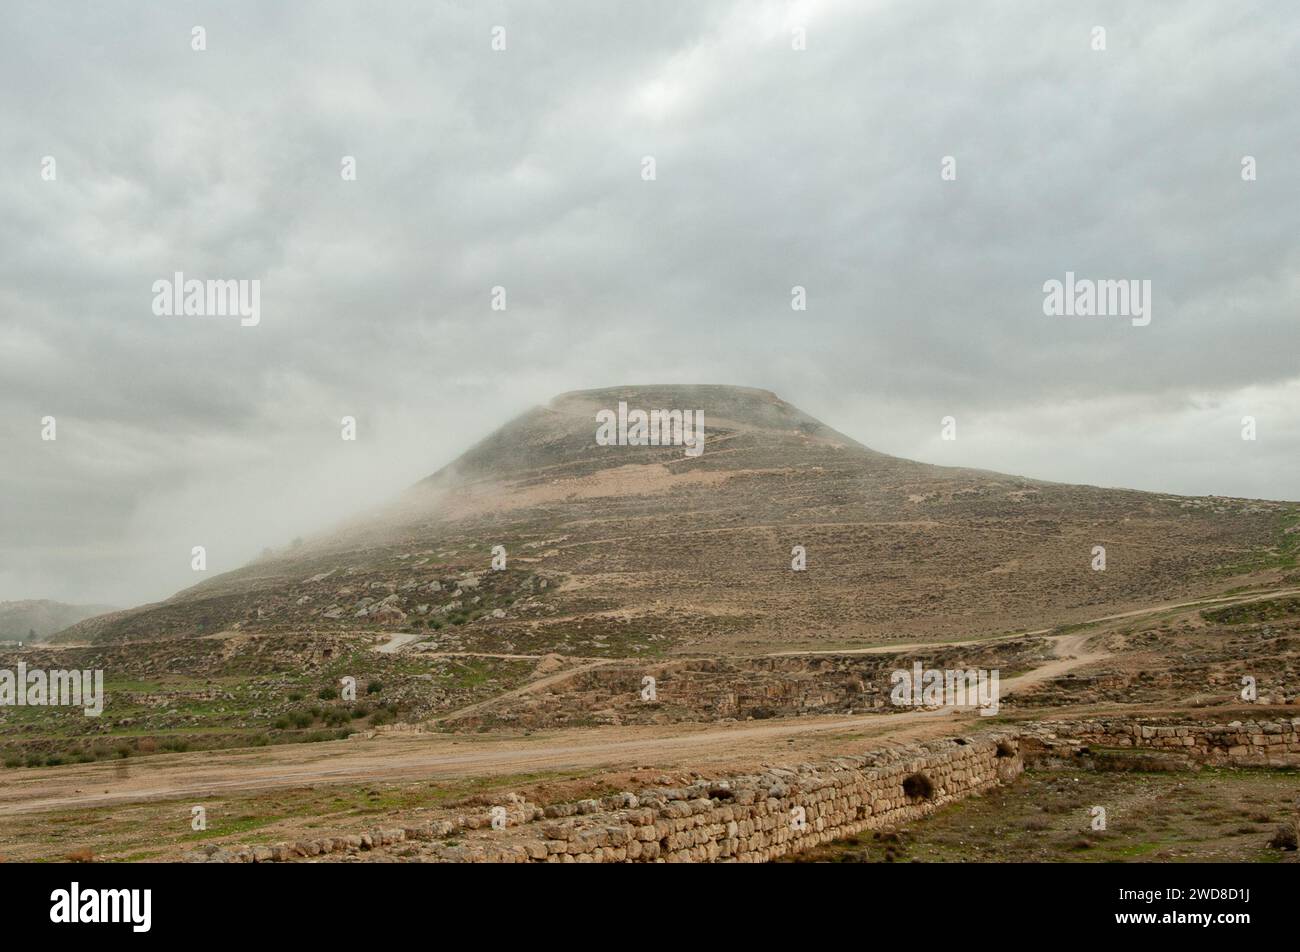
[{"x": 433, "y": 756}]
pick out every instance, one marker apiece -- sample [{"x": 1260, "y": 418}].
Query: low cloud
[{"x": 521, "y": 168}]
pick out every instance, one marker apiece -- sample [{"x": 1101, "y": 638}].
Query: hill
[
  {"x": 18, "y": 620},
  {"x": 648, "y": 550}
]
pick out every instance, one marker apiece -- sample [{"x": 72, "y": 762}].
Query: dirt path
[
  {"x": 396, "y": 643},
  {"x": 1174, "y": 606},
  {"x": 433, "y": 756},
  {"x": 1069, "y": 652},
  {"x": 529, "y": 688},
  {"x": 428, "y": 756},
  {"x": 891, "y": 648}
]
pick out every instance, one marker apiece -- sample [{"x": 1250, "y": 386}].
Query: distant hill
[
  {"x": 648, "y": 550},
  {"x": 19, "y": 619}
]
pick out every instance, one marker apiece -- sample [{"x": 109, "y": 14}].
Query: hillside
[
  {"x": 645, "y": 550},
  {"x": 19, "y": 619}
]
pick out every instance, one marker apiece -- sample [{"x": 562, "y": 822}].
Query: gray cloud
[{"x": 521, "y": 169}]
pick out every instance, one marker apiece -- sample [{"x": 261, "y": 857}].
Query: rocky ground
[
  {"x": 1207, "y": 816},
  {"x": 1195, "y": 660},
  {"x": 500, "y": 620}
]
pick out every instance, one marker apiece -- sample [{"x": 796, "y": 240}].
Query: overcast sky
[{"x": 522, "y": 168}]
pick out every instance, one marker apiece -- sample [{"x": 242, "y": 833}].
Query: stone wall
[
  {"x": 754, "y": 819},
  {"x": 750, "y": 819},
  {"x": 1253, "y": 743}
]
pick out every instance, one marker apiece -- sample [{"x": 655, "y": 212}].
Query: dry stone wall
[
  {"x": 758, "y": 817},
  {"x": 750, "y": 819},
  {"x": 1252, "y": 743}
]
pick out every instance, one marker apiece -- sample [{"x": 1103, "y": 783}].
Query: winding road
[{"x": 437, "y": 756}]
